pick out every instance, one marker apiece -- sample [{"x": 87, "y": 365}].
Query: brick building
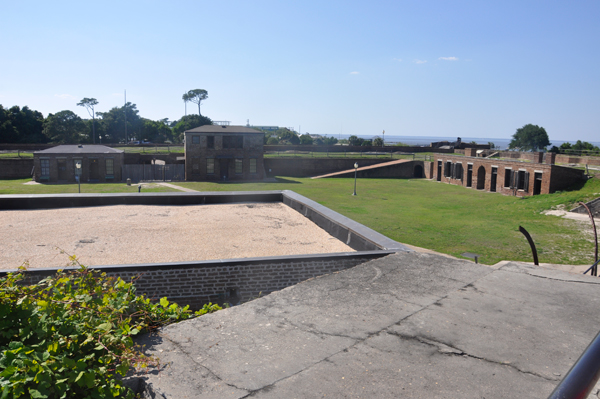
[
  {"x": 99, "y": 164},
  {"x": 219, "y": 152},
  {"x": 504, "y": 176}
]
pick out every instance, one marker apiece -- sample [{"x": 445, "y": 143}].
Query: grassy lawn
[
  {"x": 17, "y": 186},
  {"x": 152, "y": 150},
  {"x": 442, "y": 217},
  {"x": 16, "y": 155}
]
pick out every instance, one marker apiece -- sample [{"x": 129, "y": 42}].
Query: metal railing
[{"x": 583, "y": 376}]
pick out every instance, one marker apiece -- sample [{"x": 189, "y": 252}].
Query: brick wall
[
  {"x": 230, "y": 281},
  {"x": 15, "y": 168},
  {"x": 553, "y": 177}
]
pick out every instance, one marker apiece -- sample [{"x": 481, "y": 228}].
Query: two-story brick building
[
  {"x": 97, "y": 163},
  {"x": 504, "y": 176},
  {"x": 223, "y": 152}
]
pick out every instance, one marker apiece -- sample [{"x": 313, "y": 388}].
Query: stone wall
[{"x": 15, "y": 168}]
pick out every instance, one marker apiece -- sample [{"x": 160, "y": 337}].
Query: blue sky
[{"x": 411, "y": 68}]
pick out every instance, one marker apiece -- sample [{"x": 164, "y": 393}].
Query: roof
[
  {"x": 80, "y": 149},
  {"x": 224, "y": 129}
]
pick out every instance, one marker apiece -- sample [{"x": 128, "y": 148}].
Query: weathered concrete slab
[{"x": 409, "y": 325}]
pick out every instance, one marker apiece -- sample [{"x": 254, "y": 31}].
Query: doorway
[
  {"x": 494, "y": 179},
  {"x": 537, "y": 184},
  {"x": 224, "y": 165},
  {"x": 439, "y": 171},
  {"x": 481, "y": 178},
  {"x": 62, "y": 169},
  {"x": 469, "y": 175},
  {"x": 94, "y": 169},
  {"x": 418, "y": 171}
]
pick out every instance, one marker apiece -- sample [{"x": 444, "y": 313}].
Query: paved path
[
  {"x": 410, "y": 325},
  {"x": 379, "y": 165},
  {"x": 189, "y": 190}
]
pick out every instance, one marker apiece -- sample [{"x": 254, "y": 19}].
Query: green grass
[
  {"x": 16, "y": 155},
  {"x": 442, "y": 217},
  {"x": 17, "y": 186}
]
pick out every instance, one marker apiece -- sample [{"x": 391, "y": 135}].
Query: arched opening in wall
[
  {"x": 418, "y": 171},
  {"x": 481, "y": 178}
]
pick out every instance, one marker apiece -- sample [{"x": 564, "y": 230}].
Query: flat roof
[
  {"x": 224, "y": 129},
  {"x": 80, "y": 149}
]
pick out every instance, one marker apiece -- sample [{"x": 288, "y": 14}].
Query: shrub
[{"x": 70, "y": 335}]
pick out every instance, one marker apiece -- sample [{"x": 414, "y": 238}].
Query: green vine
[{"x": 70, "y": 335}]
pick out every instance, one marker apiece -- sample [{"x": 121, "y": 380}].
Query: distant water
[{"x": 426, "y": 140}]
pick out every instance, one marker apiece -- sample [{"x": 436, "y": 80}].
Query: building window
[
  {"x": 45, "y": 163},
  {"x": 522, "y": 182},
  {"x": 252, "y": 165},
  {"x": 508, "y": 177},
  {"x": 210, "y": 166},
  {"x": 233, "y": 141},
  {"x": 239, "y": 166},
  {"x": 110, "y": 167},
  {"x": 458, "y": 171},
  {"x": 210, "y": 141},
  {"x": 195, "y": 139}
]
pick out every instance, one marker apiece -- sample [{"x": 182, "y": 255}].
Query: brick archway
[{"x": 418, "y": 172}]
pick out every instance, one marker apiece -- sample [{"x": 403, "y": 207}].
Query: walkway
[
  {"x": 376, "y": 166},
  {"x": 189, "y": 190},
  {"x": 408, "y": 325}
]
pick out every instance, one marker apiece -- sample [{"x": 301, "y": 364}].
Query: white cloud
[
  {"x": 397, "y": 59},
  {"x": 65, "y": 96},
  {"x": 354, "y": 73},
  {"x": 420, "y": 61},
  {"x": 448, "y": 58}
]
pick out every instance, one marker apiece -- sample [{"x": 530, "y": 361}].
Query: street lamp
[{"x": 355, "y": 171}]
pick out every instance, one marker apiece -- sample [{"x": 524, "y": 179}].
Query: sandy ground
[{"x": 126, "y": 234}]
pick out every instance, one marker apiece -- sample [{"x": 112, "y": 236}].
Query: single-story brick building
[
  {"x": 222, "y": 152},
  {"x": 98, "y": 164},
  {"x": 504, "y": 176}
]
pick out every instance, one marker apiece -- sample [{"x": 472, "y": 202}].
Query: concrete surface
[{"x": 411, "y": 324}]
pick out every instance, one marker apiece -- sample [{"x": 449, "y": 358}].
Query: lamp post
[{"x": 355, "y": 171}]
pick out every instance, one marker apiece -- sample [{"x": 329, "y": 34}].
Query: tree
[
  {"x": 21, "y": 125},
  {"x": 305, "y": 139},
  {"x": 189, "y": 122},
  {"x": 377, "y": 141},
  {"x": 196, "y": 96},
  {"x": 355, "y": 141},
  {"x": 330, "y": 140},
  {"x": 272, "y": 141},
  {"x": 89, "y": 104},
  {"x": 530, "y": 138},
  {"x": 114, "y": 120},
  {"x": 64, "y": 127}
]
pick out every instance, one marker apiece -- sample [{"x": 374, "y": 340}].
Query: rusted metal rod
[
  {"x": 531, "y": 244},
  {"x": 595, "y": 269}
]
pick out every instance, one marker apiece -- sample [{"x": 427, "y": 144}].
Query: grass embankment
[
  {"x": 152, "y": 150},
  {"x": 442, "y": 217}
]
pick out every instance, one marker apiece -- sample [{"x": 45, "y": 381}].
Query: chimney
[
  {"x": 538, "y": 157},
  {"x": 551, "y": 158}
]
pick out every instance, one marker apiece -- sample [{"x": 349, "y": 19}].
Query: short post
[
  {"x": 78, "y": 174},
  {"x": 355, "y": 172},
  {"x": 139, "y": 188}
]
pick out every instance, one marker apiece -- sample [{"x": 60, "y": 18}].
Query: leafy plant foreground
[{"x": 70, "y": 335}]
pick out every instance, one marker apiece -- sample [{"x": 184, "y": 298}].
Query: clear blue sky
[{"x": 431, "y": 68}]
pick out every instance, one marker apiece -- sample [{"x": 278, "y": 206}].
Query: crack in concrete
[
  {"x": 450, "y": 350},
  {"x": 564, "y": 281},
  {"x": 215, "y": 375}
]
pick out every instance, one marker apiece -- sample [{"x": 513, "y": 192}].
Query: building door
[
  {"x": 439, "y": 171},
  {"x": 62, "y": 169},
  {"x": 481, "y": 178},
  {"x": 94, "y": 169},
  {"x": 469, "y": 175},
  {"x": 494, "y": 179},
  {"x": 224, "y": 169},
  {"x": 537, "y": 184}
]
